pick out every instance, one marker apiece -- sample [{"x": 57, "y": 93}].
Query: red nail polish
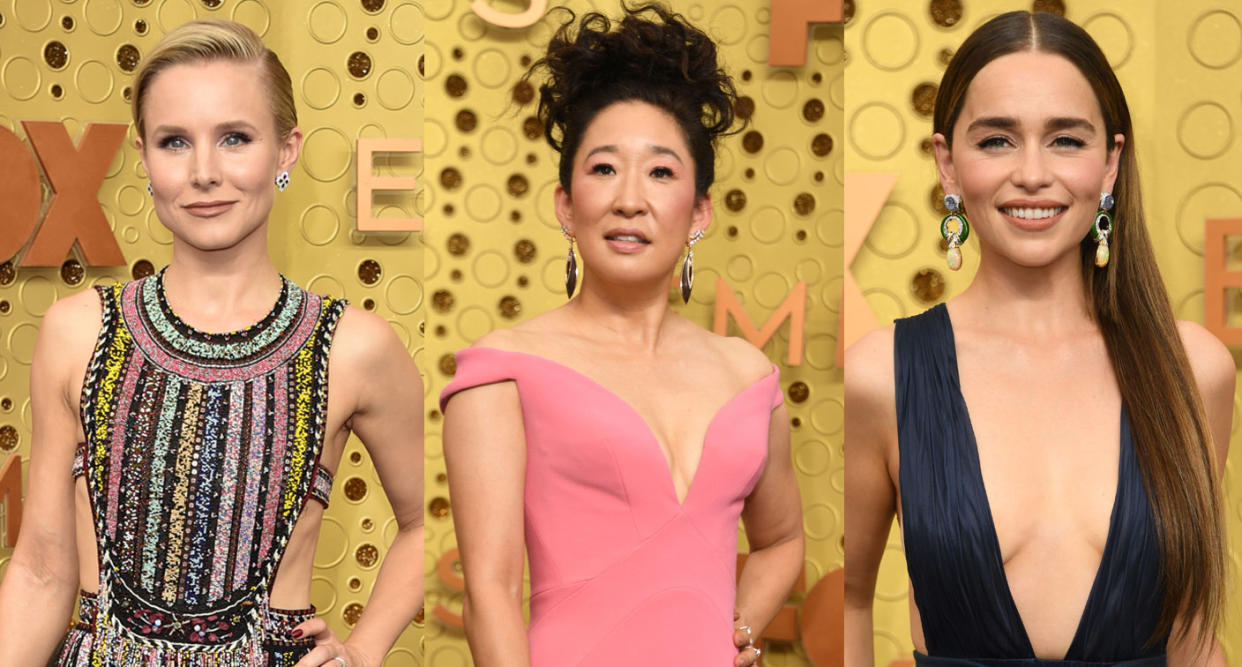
[{"x": 297, "y": 633}]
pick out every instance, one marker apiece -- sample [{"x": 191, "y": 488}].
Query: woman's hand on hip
[
  {"x": 329, "y": 651},
  {"x": 744, "y": 640}
]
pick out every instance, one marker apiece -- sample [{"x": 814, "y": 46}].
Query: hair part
[
  {"x": 1129, "y": 302},
  {"x": 210, "y": 40},
  {"x": 654, "y": 56}
]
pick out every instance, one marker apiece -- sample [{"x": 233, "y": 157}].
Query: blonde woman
[{"x": 185, "y": 426}]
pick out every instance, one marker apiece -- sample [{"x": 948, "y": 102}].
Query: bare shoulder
[
  {"x": 366, "y": 352},
  {"x": 1210, "y": 360},
  {"x": 747, "y": 360},
  {"x": 526, "y": 336},
  {"x": 71, "y": 327},
  {"x": 76, "y": 316},
  {"x": 869, "y": 383},
  {"x": 365, "y": 337}
]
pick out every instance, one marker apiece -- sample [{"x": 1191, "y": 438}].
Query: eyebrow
[
  {"x": 1053, "y": 124},
  {"x": 653, "y": 148},
  {"x": 229, "y": 126}
]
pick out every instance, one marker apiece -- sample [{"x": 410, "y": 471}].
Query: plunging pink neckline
[{"x": 667, "y": 459}]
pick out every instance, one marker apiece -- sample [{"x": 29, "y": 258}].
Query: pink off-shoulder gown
[{"x": 621, "y": 573}]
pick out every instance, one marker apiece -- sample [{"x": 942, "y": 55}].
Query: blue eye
[
  {"x": 173, "y": 142},
  {"x": 236, "y": 139}
]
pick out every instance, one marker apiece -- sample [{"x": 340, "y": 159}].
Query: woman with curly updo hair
[{"x": 613, "y": 440}]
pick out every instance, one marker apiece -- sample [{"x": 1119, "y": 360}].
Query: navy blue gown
[{"x": 952, "y": 552}]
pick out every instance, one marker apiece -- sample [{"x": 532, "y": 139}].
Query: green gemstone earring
[
  {"x": 1102, "y": 229},
  {"x": 955, "y": 229}
]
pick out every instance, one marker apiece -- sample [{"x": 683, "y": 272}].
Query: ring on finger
[
  {"x": 758, "y": 652},
  {"x": 340, "y": 660},
  {"x": 750, "y": 640}
]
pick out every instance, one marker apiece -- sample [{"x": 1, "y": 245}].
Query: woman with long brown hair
[{"x": 1073, "y": 514}]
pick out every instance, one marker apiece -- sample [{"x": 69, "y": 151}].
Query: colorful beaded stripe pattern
[{"x": 201, "y": 452}]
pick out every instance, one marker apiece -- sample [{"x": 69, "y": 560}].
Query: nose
[
  {"x": 631, "y": 199},
  {"x": 204, "y": 168},
  {"x": 1032, "y": 172}
]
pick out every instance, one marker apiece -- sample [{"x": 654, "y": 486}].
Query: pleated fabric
[{"x": 953, "y": 555}]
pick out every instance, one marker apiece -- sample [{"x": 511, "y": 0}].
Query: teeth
[
  {"x": 1033, "y": 213},
  {"x": 628, "y": 237}
]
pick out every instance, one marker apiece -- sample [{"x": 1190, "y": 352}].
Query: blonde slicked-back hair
[{"x": 207, "y": 40}]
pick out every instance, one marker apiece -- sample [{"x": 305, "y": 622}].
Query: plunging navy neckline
[
  {"x": 994, "y": 541},
  {"x": 954, "y": 558}
]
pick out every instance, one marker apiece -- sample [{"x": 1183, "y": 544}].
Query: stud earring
[
  {"x": 1102, "y": 229},
  {"x": 687, "y": 267},
  {"x": 282, "y": 180},
  {"x": 150, "y": 190},
  {"x": 955, "y": 229},
  {"x": 571, "y": 266}
]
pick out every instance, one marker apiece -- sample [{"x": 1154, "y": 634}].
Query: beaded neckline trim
[{"x": 181, "y": 340}]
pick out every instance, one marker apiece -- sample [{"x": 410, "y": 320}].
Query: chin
[
  {"x": 215, "y": 239},
  {"x": 1041, "y": 255}
]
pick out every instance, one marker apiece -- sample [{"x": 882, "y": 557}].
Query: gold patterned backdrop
[
  {"x": 354, "y": 65},
  {"x": 495, "y": 254},
  {"x": 1180, "y": 66}
]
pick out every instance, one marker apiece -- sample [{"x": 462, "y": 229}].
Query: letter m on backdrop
[{"x": 792, "y": 308}]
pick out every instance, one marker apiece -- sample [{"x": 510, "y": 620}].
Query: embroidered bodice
[{"x": 201, "y": 451}]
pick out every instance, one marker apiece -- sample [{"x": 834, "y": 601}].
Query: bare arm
[
  {"x": 773, "y": 520},
  {"x": 485, "y": 452},
  {"x": 388, "y": 419},
  {"x": 870, "y": 497},
  {"x": 43, "y": 570},
  {"x": 1215, "y": 376}
]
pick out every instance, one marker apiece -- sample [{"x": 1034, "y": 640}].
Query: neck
[
  {"x": 636, "y": 315},
  {"x": 1027, "y": 301},
  {"x": 221, "y": 290}
]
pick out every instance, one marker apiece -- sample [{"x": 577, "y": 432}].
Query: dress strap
[
  {"x": 321, "y": 487},
  {"x": 478, "y": 366},
  {"x": 952, "y": 556},
  {"x": 79, "y": 461}
]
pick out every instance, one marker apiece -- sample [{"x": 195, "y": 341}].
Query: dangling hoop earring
[
  {"x": 687, "y": 267},
  {"x": 956, "y": 235},
  {"x": 571, "y": 266},
  {"x": 282, "y": 180},
  {"x": 1102, "y": 229}
]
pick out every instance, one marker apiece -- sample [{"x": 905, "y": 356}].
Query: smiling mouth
[
  {"x": 627, "y": 238},
  {"x": 1026, "y": 213}
]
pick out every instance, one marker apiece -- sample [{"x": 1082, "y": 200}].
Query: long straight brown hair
[{"x": 1128, "y": 301}]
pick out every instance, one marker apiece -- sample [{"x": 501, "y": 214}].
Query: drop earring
[
  {"x": 955, "y": 229},
  {"x": 282, "y": 180},
  {"x": 1102, "y": 229},
  {"x": 571, "y": 266},
  {"x": 687, "y": 267},
  {"x": 150, "y": 190}
]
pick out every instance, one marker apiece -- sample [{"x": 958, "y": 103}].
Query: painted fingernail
[{"x": 297, "y": 633}]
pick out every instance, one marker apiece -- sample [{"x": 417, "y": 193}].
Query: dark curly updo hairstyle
[{"x": 655, "y": 56}]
